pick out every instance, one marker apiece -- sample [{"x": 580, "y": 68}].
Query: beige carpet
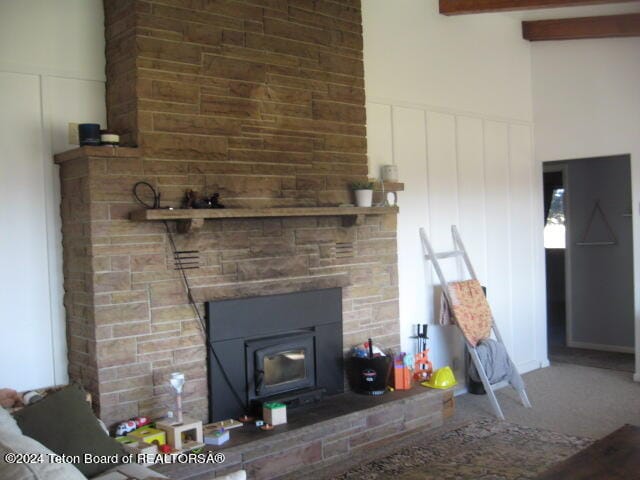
[
  {"x": 568, "y": 399},
  {"x": 624, "y": 362},
  {"x": 571, "y": 399}
]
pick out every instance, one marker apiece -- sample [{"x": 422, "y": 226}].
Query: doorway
[
  {"x": 555, "y": 246},
  {"x": 589, "y": 261}
]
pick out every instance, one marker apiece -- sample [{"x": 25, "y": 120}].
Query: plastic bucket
[{"x": 370, "y": 376}]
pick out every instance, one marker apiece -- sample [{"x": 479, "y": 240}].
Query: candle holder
[{"x": 177, "y": 382}]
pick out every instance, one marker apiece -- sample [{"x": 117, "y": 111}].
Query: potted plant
[{"x": 363, "y": 192}]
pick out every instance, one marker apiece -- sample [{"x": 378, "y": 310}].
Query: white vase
[{"x": 364, "y": 198}]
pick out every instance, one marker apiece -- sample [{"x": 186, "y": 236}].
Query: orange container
[{"x": 401, "y": 377}]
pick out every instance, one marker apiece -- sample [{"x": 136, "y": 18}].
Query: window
[
  {"x": 284, "y": 367},
  {"x": 554, "y": 229}
]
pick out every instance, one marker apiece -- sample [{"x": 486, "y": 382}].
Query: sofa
[{"x": 65, "y": 428}]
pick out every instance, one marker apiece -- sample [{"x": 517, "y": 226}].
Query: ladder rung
[
  {"x": 452, "y": 253},
  {"x": 499, "y": 385}
]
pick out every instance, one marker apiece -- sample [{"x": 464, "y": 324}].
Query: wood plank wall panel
[
  {"x": 476, "y": 172},
  {"x": 409, "y": 143},
  {"x": 469, "y": 145},
  {"x": 522, "y": 226},
  {"x": 261, "y": 101},
  {"x": 443, "y": 181},
  {"x": 497, "y": 186},
  {"x": 25, "y": 295},
  {"x": 381, "y": 124},
  {"x": 442, "y": 172}
]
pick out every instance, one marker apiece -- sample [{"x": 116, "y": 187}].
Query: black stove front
[{"x": 279, "y": 347}]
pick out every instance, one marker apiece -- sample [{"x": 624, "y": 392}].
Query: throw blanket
[
  {"x": 496, "y": 363},
  {"x": 469, "y": 309}
]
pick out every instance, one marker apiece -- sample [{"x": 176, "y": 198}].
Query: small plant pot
[{"x": 364, "y": 198}]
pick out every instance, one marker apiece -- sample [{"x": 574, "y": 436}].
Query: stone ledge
[
  {"x": 106, "y": 151},
  {"x": 325, "y": 433}
]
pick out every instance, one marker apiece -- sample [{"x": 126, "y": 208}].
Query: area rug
[
  {"x": 482, "y": 450},
  {"x": 623, "y": 362}
]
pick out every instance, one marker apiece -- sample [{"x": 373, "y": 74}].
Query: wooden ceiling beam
[
  {"x": 462, "y": 7},
  {"x": 585, "y": 27}
]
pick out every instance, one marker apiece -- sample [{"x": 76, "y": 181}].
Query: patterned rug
[{"x": 483, "y": 450}]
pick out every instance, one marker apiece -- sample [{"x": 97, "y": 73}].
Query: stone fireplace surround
[
  {"x": 129, "y": 322},
  {"x": 262, "y": 101}
]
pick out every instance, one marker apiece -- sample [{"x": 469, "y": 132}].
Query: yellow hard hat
[{"x": 441, "y": 378}]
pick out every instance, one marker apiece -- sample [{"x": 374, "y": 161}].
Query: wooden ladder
[{"x": 459, "y": 251}]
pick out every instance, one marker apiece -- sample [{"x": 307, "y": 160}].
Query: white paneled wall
[
  {"x": 51, "y": 73},
  {"x": 521, "y": 243},
  {"x": 479, "y": 174},
  {"x": 26, "y": 348},
  {"x": 410, "y": 143},
  {"x": 35, "y": 112},
  {"x": 498, "y": 224}
]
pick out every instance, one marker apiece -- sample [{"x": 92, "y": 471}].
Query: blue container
[{"x": 89, "y": 134}]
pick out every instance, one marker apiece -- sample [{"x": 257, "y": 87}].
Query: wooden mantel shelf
[{"x": 193, "y": 219}]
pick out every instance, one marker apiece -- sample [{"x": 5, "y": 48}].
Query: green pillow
[{"x": 64, "y": 422}]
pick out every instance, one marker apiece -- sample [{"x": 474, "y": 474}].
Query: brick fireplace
[{"x": 261, "y": 101}]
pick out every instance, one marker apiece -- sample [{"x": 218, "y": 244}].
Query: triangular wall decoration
[{"x": 597, "y": 209}]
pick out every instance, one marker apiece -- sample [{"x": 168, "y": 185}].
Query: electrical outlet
[{"x": 74, "y": 137}]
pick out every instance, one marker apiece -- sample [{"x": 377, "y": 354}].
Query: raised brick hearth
[
  {"x": 318, "y": 436},
  {"x": 262, "y": 101}
]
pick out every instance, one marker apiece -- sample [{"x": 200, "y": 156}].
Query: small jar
[
  {"x": 108, "y": 138},
  {"x": 89, "y": 134},
  {"x": 389, "y": 173}
]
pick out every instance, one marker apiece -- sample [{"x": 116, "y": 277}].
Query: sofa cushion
[
  {"x": 13, "y": 442},
  {"x": 238, "y": 475},
  {"x": 64, "y": 422},
  {"x": 8, "y": 424}
]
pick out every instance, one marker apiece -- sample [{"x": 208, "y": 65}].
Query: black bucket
[{"x": 370, "y": 376}]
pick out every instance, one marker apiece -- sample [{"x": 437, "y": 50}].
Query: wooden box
[
  {"x": 274, "y": 413},
  {"x": 183, "y": 436}
]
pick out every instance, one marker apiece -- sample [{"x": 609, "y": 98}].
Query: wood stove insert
[{"x": 279, "y": 347}]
